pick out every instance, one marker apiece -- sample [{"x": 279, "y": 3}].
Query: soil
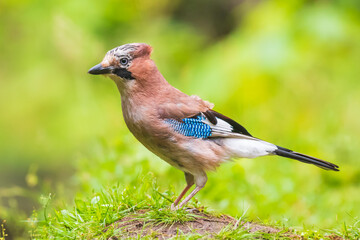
[{"x": 133, "y": 226}]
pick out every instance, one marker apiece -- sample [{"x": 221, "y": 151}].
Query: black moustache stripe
[{"x": 123, "y": 73}]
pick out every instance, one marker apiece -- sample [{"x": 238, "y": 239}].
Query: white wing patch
[
  {"x": 223, "y": 129},
  {"x": 237, "y": 144}
]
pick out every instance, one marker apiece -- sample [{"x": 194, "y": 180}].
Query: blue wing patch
[{"x": 191, "y": 127}]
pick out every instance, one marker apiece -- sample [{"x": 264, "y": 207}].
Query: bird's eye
[{"x": 124, "y": 61}]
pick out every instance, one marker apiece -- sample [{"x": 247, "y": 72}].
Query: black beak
[{"x": 98, "y": 69}]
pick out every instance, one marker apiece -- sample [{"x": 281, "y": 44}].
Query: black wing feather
[{"x": 237, "y": 128}]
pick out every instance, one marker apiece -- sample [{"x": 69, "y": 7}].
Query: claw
[
  {"x": 192, "y": 210},
  {"x": 173, "y": 207}
]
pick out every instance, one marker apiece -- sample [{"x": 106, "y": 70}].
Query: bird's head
[{"x": 126, "y": 63}]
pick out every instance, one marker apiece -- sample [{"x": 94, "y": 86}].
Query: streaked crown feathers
[{"x": 131, "y": 50}]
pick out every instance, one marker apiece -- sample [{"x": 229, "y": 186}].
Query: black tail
[{"x": 306, "y": 159}]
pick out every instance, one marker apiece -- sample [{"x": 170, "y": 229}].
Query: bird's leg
[
  {"x": 200, "y": 181},
  {"x": 190, "y": 181}
]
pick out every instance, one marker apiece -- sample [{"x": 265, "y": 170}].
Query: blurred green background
[{"x": 286, "y": 70}]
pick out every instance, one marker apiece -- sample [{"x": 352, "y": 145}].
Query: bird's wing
[
  {"x": 223, "y": 126},
  {"x": 209, "y": 124},
  {"x": 184, "y": 106}
]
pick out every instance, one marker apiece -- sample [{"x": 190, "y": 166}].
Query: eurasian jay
[{"x": 183, "y": 130}]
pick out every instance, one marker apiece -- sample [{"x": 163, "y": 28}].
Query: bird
[{"x": 181, "y": 129}]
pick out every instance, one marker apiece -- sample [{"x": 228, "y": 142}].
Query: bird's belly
[{"x": 185, "y": 153}]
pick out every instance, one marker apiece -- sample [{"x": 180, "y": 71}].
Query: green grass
[
  {"x": 2, "y": 231},
  {"x": 90, "y": 216},
  {"x": 293, "y": 81}
]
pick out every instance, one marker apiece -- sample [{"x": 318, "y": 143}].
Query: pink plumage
[{"x": 182, "y": 130}]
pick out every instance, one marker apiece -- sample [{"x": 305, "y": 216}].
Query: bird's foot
[
  {"x": 173, "y": 207},
  {"x": 189, "y": 210},
  {"x": 192, "y": 210}
]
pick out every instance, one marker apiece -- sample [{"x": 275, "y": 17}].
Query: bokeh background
[{"x": 289, "y": 71}]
